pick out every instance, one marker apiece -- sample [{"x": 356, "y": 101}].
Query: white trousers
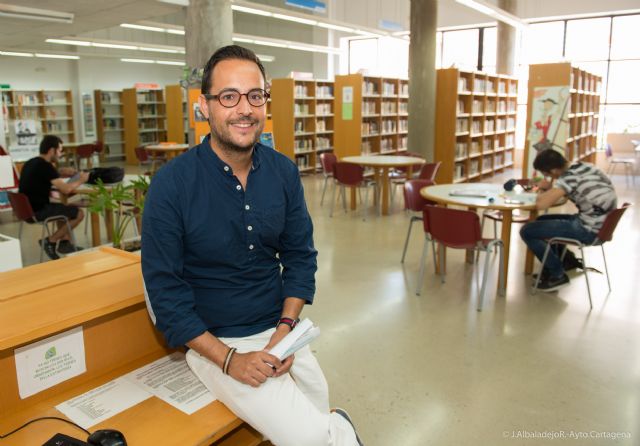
[{"x": 291, "y": 410}]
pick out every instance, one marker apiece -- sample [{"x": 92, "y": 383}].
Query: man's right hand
[{"x": 253, "y": 368}]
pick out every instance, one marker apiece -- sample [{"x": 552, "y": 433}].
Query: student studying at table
[{"x": 37, "y": 178}]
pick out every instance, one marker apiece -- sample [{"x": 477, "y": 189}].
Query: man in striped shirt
[{"x": 592, "y": 193}]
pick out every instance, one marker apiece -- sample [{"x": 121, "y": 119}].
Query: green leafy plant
[{"x": 125, "y": 201}]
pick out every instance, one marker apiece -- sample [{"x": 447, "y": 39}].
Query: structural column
[
  {"x": 422, "y": 77},
  {"x": 208, "y": 26},
  {"x": 505, "y": 54}
]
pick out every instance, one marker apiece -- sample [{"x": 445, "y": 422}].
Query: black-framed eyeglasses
[{"x": 230, "y": 98}]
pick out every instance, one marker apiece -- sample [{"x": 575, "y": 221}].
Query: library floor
[{"x": 430, "y": 370}]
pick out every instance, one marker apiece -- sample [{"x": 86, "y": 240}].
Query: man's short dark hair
[
  {"x": 224, "y": 53},
  {"x": 549, "y": 159},
  {"x": 49, "y": 142}
]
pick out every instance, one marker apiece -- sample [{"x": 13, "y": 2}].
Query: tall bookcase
[
  {"x": 110, "y": 122},
  {"x": 175, "y": 106},
  {"x": 303, "y": 119},
  {"x": 144, "y": 114},
  {"x": 577, "y": 105},
  {"x": 371, "y": 115},
  {"x": 52, "y": 110},
  {"x": 475, "y": 124}
]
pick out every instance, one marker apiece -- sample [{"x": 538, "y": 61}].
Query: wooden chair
[
  {"x": 459, "y": 229},
  {"x": 605, "y": 234}
]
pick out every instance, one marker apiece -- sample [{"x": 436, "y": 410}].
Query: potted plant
[{"x": 125, "y": 201}]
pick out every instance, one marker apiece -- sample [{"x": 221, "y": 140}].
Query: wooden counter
[{"x": 102, "y": 292}]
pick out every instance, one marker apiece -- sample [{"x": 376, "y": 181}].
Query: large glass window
[
  {"x": 542, "y": 42},
  {"x": 624, "y": 82},
  {"x": 489, "y": 48},
  {"x": 624, "y": 37},
  {"x": 460, "y": 49},
  {"x": 588, "y": 39}
]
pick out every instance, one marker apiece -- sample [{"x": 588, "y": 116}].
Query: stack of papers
[
  {"x": 469, "y": 193},
  {"x": 303, "y": 334}
]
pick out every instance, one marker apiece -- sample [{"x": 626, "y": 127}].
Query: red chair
[
  {"x": 459, "y": 229},
  {"x": 327, "y": 161},
  {"x": 99, "y": 149},
  {"x": 398, "y": 175},
  {"x": 349, "y": 175},
  {"x": 24, "y": 212},
  {"x": 414, "y": 202},
  {"x": 85, "y": 152},
  {"x": 429, "y": 171},
  {"x": 605, "y": 234},
  {"x": 144, "y": 159}
]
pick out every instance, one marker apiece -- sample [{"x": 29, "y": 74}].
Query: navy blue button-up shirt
[{"x": 220, "y": 258}]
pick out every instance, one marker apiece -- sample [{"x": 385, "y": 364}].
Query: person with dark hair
[
  {"x": 594, "y": 196},
  {"x": 228, "y": 262},
  {"x": 36, "y": 180}
]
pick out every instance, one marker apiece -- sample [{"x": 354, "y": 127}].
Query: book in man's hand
[{"x": 303, "y": 334}]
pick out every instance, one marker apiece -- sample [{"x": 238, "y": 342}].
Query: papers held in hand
[
  {"x": 304, "y": 333},
  {"x": 469, "y": 193}
]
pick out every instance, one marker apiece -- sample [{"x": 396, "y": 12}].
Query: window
[
  {"x": 622, "y": 118},
  {"x": 624, "y": 84},
  {"x": 587, "y": 39},
  {"x": 624, "y": 37},
  {"x": 460, "y": 49},
  {"x": 363, "y": 55},
  {"x": 379, "y": 56},
  {"x": 489, "y": 49},
  {"x": 543, "y": 42}
]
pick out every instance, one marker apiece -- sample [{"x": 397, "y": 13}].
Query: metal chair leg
[
  {"x": 406, "y": 242},
  {"x": 343, "y": 191},
  {"x": 333, "y": 198},
  {"x": 42, "y": 237},
  {"x": 586, "y": 276},
  {"x": 423, "y": 264},
  {"x": 442, "y": 267},
  {"x": 20, "y": 229},
  {"x": 485, "y": 275},
  {"x": 606, "y": 269},
  {"x": 366, "y": 202},
  {"x": 324, "y": 189},
  {"x": 501, "y": 276}
]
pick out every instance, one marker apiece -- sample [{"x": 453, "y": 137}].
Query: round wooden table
[
  {"x": 487, "y": 196},
  {"x": 381, "y": 166},
  {"x": 170, "y": 150}
]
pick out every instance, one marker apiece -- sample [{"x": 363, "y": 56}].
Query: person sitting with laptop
[
  {"x": 594, "y": 196},
  {"x": 37, "y": 178}
]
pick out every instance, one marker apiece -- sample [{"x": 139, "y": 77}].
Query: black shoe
[
  {"x": 545, "y": 275},
  {"x": 343, "y": 413},
  {"x": 553, "y": 283},
  {"x": 66, "y": 247},
  {"x": 49, "y": 248}
]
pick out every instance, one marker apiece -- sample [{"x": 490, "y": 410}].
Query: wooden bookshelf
[
  {"x": 378, "y": 122},
  {"x": 176, "y": 104},
  {"x": 475, "y": 124},
  {"x": 110, "y": 122},
  {"x": 52, "y": 110},
  {"x": 581, "y": 113},
  {"x": 303, "y": 120},
  {"x": 144, "y": 119}
]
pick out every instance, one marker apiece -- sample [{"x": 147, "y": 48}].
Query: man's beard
[{"x": 222, "y": 138}]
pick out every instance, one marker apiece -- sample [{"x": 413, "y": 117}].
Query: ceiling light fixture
[
  {"x": 15, "y": 53},
  {"x": 22, "y": 12},
  {"x": 142, "y": 27},
  {"x": 138, "y": 60},
  {"x": 170, "y": 62},
  {"x": 251, "y": 10},
  {"x": 69, "y": 42},
  {"x": 158, "y": 50},
  {"x": 495, "y": 12},
  {"x": 57, "y": 56},
  {"x": 114, "y": 45},
  {"x": 295, "y": 19}
]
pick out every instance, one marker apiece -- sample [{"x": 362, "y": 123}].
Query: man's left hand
[{"x": 280, "y": 333}]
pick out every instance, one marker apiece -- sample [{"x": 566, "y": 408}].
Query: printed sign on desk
[{"x": 48, "y": 362}]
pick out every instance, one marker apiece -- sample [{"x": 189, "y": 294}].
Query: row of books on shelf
[
  {"x": 462, "y": 149},
  {"x": 108, "y": 97},
  {"x": 485, "y": 165},
  {"x": 478, "y": 106},
  {"x": 370, "y": 88},
  {"x": 301, "y": 108},
  {"x": 322, "y": 91},
  {"x": 147, "y": 96},
  {"x": 324, "y": 108},
  {"x": 320, "y": 126},
  {"x": 388, "y": 126},
  {"x": 482, "y": 85}
]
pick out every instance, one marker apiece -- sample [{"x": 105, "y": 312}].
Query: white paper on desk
[
  {"x": 103, "y": 402},
  {"x": 171, "y": 380},
  {"x": 303, "y": 334},
  {"x": 48, "y": 362}
]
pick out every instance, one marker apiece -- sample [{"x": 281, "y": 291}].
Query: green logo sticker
[{"x": 50, "y": 353}]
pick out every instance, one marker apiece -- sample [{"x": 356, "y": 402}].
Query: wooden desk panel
[{"x": 45, "y": 275}]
